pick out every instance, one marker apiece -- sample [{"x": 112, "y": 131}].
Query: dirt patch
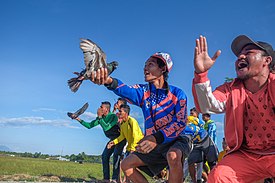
[
  {"x": 17, "y": 177},
  {"x": 44, "y": 178}
]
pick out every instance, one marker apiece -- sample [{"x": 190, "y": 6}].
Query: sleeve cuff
[
  {"x": 113, "y": 85},
  {"x": 201, "y": 77},
  {"x": 159, "y": 137}
]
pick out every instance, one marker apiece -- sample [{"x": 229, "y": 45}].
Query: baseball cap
[
  {"x": 166, "y": 58},
  {"x": 242, "y": 40}
]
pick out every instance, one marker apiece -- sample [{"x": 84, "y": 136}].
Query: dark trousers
[{"x": 117, "y": 151}]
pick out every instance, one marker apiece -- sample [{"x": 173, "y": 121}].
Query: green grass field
[
  {"x": 34, "y": 169},
  {"x": 41, "y": 170}
]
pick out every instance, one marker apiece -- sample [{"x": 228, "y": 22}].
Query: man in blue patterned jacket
[{"x": 167, "y": 140}]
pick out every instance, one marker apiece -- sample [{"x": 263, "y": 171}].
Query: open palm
[{"x": 202, "y": 61}]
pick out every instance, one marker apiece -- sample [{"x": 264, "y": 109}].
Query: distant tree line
[{"x": 81, "y": 157}]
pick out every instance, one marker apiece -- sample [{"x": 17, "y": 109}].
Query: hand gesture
[
  {"x": 202, "y": 61},
  {"x": 147, "y": 144},
  {"x": 99, "y": 112},
  {"x": 101, "y": 77},
  {"x": 110, "y": 144},
  {"x": 115, "y": 107}
]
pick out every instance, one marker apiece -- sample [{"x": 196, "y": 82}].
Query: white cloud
[
  {"x": 37, "y": 121},
  {"x": 89, "y": 115},
  {"x": 43, "y": 109}
]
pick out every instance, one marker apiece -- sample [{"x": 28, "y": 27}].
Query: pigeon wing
[
  {"x": 82, "y": 109},
  {"x": 94, "y": 57}
]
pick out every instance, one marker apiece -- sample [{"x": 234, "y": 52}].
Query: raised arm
[
  {"x": 205, "y": 100},
  {"x": 202, "y": 61}
]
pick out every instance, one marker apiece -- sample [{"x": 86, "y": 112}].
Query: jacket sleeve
[
  {"x": 205, "y": 100},
  {"x": 108, "y": 122},
  {"x": 119, "y": 138},
  {"x": 91, "y": 124},
  {"x": 136, "y": 133},
  {"x": 133, "y": 94}
]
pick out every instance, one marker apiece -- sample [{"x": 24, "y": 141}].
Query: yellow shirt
[{"x": 131, "y": 131}]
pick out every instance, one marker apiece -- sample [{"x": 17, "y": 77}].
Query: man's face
[
  {"x": 122, "y": 114},
  {"x": 250, "y": 62},
  {"x": 205, "y": 118},
  {"x": 104, "y": 109},
  {"x": 119, "y": 102},
  {"x": 152, "y": 70},
  {"x": 193, "y": 113}
]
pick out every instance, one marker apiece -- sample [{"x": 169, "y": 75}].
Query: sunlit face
[
  {"x": 152, "y": 70},
  {"x": 104, "y": 109},
  {"x": 193, "y": 113},
  {"x": 119, "y": 102},
  {"x": 250, "y": 62},
  {"x": 122, "y": 114}
]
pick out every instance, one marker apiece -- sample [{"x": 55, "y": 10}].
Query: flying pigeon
[
  {"x": 78, "y": 112},
  {"x": 94, "y": 59}
]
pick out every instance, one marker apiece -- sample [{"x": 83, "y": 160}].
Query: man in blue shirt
[{"x": 165, "y": 112}]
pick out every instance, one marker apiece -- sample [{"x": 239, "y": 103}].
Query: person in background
[
  {"x": 210, "y": 126},
  {"x": 108, "y": 121},
  {"x": 166, "y": 141},
  {"x": 196, "y": 168},
  {"x": 129, "y": 130},
  {"x": 224, "y": 151},
  {"x": 118, "y": 103},
  {"x": 249, "y": 106},
  {"x": 204, "y": 147}
]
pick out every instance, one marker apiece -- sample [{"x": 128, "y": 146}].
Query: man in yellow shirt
[{"x": 129, "y": 130}]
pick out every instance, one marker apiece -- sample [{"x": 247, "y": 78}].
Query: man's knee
[
  {"x": 129, "y": 162},
  {"x": 125, "y": 165},
  {"x": 218, "y": 173},
  {"x": 174, "y": 157}
]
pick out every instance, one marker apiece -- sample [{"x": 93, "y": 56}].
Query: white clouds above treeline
[{"x": 34, "y": 121}]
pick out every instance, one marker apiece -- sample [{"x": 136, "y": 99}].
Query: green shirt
[{"x": 106, "y": 122}]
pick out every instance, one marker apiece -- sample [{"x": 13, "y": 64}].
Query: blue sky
[{"x": 39, "y": 50}]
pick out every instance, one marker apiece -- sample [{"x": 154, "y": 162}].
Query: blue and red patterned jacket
[{"x": 164, "y": 110}]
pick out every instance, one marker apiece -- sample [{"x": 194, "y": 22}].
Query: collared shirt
[{"x": 130, "y": 131}]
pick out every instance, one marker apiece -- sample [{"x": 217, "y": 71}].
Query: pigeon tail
[{"x": 74, "y": 83}]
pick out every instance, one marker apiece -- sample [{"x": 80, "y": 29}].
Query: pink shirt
[{"x": 259, "y": 124}]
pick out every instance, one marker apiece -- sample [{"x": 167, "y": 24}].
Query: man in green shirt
[{"x": 109, "y": 123}]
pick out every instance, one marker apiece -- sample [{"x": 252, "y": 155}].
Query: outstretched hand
[
  {"x": 101, "y": 77},
  {"x": 202, "y": 61}
]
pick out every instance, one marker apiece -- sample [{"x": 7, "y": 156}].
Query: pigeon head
[{"x": 114, "y": 64}]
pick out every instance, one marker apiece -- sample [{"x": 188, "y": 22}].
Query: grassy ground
[
  {"x": 41, "y": 170},
  {"x": 31, "y": 169}
]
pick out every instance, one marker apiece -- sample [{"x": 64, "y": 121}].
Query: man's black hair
[
  {"x": 207, "y": 115},
  {"x": 107, "y": 103},
  {"x": 124, "y": 101},
  {"x": 161, "y": 64},
  {"x": 125, "y": 107},
  {"x": 194, "y": 110}
]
